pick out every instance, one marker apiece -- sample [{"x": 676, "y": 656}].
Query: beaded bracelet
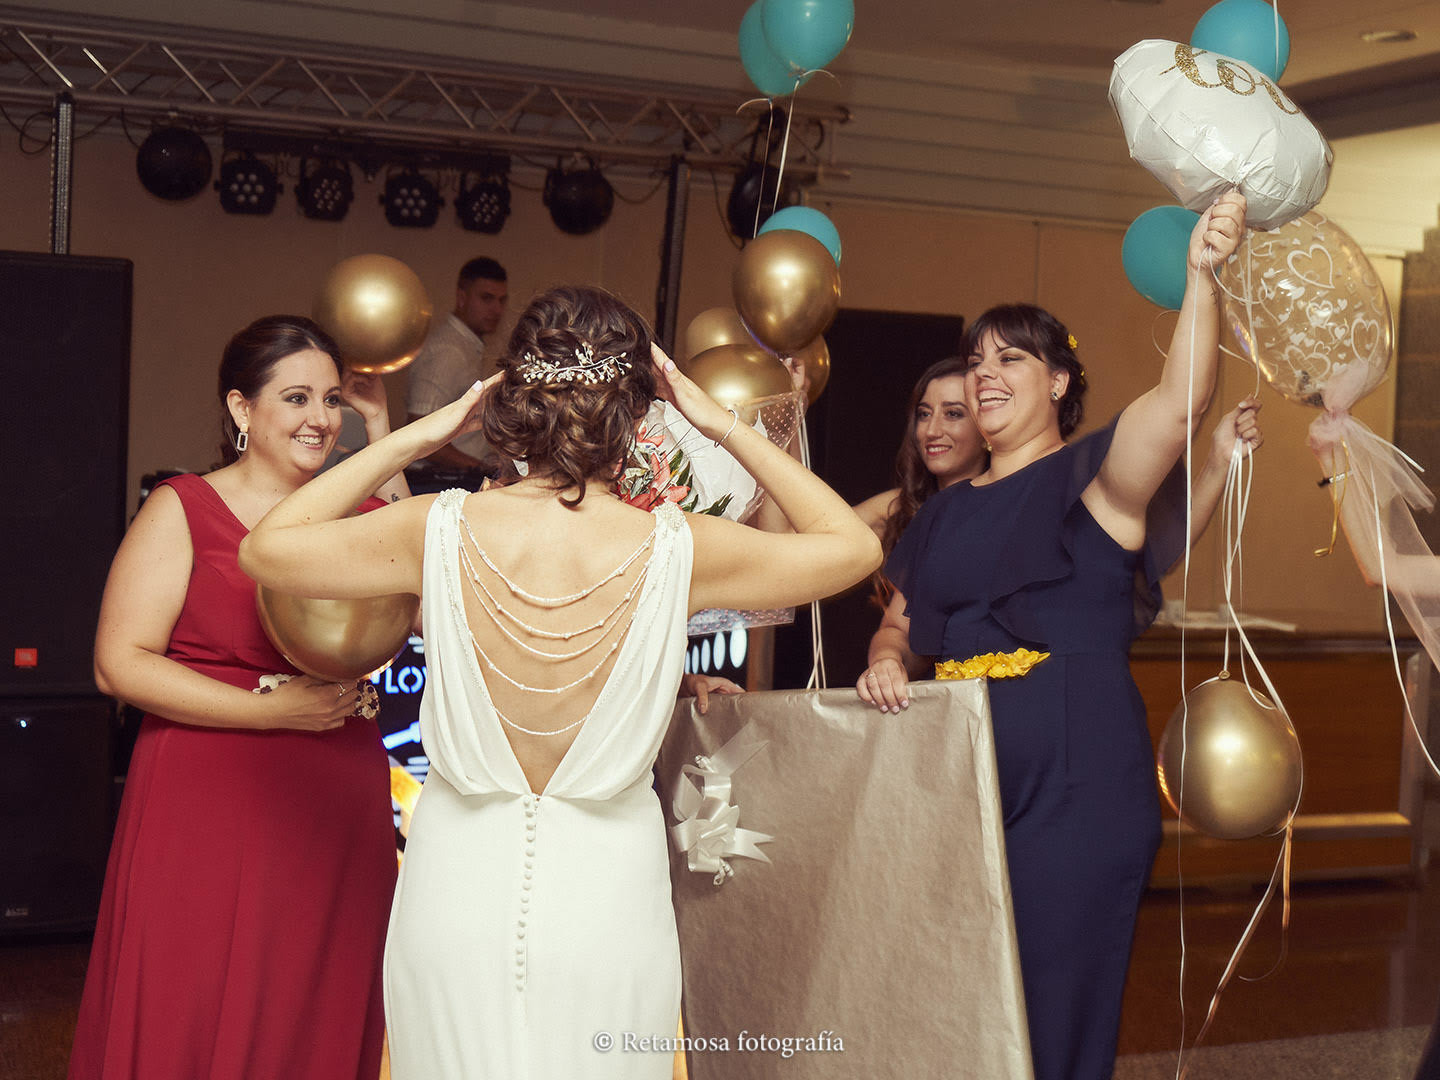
[{"x": 735, "y": 420}]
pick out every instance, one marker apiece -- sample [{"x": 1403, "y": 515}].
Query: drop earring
[{"x": 242, "y": 440}]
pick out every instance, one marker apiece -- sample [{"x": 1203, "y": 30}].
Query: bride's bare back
[{"x": 549, "y": 593}]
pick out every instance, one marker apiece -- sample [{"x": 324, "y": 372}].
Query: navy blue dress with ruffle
[{"x": 1021, "y": 562}]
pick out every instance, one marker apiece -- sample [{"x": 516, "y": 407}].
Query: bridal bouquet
[{"x": 654, "y": 475}]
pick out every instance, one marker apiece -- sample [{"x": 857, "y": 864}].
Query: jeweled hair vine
[{"x": 586, "y": 368}]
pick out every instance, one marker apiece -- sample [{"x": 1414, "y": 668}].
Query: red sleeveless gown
[{"x": 249, "y": 883}]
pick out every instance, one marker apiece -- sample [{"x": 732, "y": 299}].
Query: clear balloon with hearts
[{"x": 1308, "y": 310}]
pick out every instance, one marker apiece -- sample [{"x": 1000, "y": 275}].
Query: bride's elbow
[
  {"x": 868, "y": 554},
  {"x": 254, "y": 559},
  {"x": 246, "y": 556},
  {"x": 877, "y": 554},
  {"x": 102, "y": 679}
]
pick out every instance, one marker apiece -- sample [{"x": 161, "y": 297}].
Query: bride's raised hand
[
  {"x": 673, "y": 385},
  {"x": 461, "y": 416}
]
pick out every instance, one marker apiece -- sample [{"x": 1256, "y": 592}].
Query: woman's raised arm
[
  {"x": 741, "y": 567},
  {"x": 308, "y": 546},
  {"x": 1152, "y": 432},
  {"x": 364, "y": 392}
]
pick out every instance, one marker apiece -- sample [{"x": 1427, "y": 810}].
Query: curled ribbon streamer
[
  {"x": 1279, "y": 877},
  {"x": 708, "y": 830},
  {"x": 1234, "y": 508}
]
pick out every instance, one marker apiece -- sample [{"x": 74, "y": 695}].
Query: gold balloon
[
  {"x": 815, "y": 358},
  {"x": 787, "y": 289},
  {"x": 1242, "y": 762},
  {"x": 337, "y": 640},
  {"x": 377, "y": 311},
  {"x": 712, "y": 328},
  {"x": 735, "y": 375}
]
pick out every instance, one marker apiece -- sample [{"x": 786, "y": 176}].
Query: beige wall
[{"x": 200, "y": 274}]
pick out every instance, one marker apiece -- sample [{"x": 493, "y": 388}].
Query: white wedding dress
[{"x": 529, "y": 929}]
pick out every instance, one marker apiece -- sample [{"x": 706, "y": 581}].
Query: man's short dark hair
[{"x": 482, "y": 267}]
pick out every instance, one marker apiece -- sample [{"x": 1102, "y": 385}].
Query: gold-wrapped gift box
[{"x": 881, "y": 922}]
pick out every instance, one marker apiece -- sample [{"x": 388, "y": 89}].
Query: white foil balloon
[{"x": 1202, "y": 124}]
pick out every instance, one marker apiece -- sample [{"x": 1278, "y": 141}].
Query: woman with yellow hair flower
[{"x": 1053, "y": 549}]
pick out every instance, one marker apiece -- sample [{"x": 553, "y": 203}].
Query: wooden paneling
[{"x": 1355, "y": 816}]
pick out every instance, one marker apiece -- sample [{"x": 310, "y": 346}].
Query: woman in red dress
[{"x": 250, "y": 878}]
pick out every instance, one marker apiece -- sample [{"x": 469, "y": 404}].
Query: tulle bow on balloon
[{"x": 1377, "y": 488}]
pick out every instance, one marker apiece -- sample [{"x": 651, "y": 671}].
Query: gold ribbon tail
[
  {"x": 1279, "y": 876},
  {"x": 1337, "y": 499}
]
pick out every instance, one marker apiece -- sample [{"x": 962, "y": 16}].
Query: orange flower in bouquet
[{"x": 652, "y": 476}]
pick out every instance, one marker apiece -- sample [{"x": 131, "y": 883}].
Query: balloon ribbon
[{"x": 1234, "y": 507}]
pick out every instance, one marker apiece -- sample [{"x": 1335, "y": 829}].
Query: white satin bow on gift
[{"x": 708, "y": 830}]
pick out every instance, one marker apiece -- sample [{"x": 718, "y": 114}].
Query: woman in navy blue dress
[{"x": 1050, "y": 550}]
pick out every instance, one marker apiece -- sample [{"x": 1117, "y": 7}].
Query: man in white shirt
[{"x": 453, "y": 357}]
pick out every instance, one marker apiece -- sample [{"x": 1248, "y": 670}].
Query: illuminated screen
[{"x": 400, "y": 686}]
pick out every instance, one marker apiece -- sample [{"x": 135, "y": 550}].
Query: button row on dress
[{"x": 531, "y": 804}]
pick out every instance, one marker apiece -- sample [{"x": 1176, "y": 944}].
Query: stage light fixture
[
  {"x": 173, "y": 163},
  {"x": 484, "y": 205},
  {"x": 247, "y": 186},
  {"x": 326, "y": 191},
  {"x": 755, "y": 186},
  {"x": 411, "y": 201},
  {"x": 580, "y": 199}
]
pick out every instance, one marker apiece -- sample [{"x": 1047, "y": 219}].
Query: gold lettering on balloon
[
  {"x": 1227, "y": 74},
  {"x": 1281, "y": 101},
  {"x": 1185, "y": 61}
]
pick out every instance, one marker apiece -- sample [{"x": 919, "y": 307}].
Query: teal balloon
[
  {"x": 1245, "y": 30},
  {"x": 809, "y": 221},
  {"x": 768, "y": 72},
  {"x": 1154, "y": 252},
  {"x": 807, "y": 34}
]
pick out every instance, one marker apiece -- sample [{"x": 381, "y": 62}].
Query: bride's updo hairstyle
[{"x": 578, "y": 377}]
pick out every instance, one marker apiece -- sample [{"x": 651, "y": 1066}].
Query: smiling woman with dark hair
[
  {"x": 1036, "y": 332},
  {"x": 1038, "y": 573},
  {"x": 245, "y": 900},
  {"x": 941, "y": 446}
]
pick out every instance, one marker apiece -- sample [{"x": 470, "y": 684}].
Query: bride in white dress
[{"x": 532, "y": 931}]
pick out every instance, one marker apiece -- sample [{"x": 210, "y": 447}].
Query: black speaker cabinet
[
  {"x": 65, "y": 369},
  {"x": 55, "y": 812}
]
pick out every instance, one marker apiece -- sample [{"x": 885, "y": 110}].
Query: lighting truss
[{"x": 417, "y": 103}]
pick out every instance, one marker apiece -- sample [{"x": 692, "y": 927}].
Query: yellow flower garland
[{"x": 991, "y": 665}]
